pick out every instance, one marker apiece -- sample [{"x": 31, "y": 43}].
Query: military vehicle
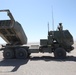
[{"x": 58, "y": 41}]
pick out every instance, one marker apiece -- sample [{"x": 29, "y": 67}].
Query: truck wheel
[
  {"x": 21, "y": 53},
  {"x": 8, "y": 54},
  {"x": 60, "y": 53}
]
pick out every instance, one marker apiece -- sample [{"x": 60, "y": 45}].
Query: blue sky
[{"x": 34, "y": 16}]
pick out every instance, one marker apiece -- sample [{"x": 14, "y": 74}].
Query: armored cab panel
[
  {"x": 69, "y": 37},
  {"x": 64, "y": 37},
  {"x": 12, "y": 33}
]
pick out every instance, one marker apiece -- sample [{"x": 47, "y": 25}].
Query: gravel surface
[{"x": 39, "y": 64}]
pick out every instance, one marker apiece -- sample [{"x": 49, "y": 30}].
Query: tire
[
  {"x": 60, "y": 53},
  {"x": 21, "y": 53},
  {"x": 8, "y": 54}
]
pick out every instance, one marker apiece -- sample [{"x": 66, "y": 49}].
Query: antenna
[
  {"x": 48, "y": 26},
  {"x": 52, "y": 21}
]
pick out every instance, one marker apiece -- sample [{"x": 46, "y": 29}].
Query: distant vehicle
[{"x": 58, "y": 42}]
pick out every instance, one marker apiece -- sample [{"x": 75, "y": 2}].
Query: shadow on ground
[
  {"x": 13, "y": 62},
  {"x": 49, "y": 58},
  {"x": 18, "y": 62}
]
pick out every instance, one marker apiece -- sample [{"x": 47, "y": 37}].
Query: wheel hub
[
  {"x": 21, "y": 54},
  {"x": 8, "y": 54}
]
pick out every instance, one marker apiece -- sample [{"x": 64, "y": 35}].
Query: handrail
[{"x": 9, "y": 14}]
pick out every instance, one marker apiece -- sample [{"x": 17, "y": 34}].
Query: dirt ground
[{"x": 39, "y": 64}]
